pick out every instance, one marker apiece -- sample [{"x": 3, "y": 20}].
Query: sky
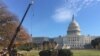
[{"x": 50, "y": 18}]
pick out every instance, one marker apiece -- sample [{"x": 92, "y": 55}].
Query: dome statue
[{"x": 73, "y": 28}]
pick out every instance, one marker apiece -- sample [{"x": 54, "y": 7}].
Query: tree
[
  {"x": 96, "y": 42},
  {"x": 8, "y": 25},
  {"x": 46, "y": 45},
  {"x": 87, "y": 46},
  {"x": 49, "y": 45},
  {"x": 52, "y": 44}
]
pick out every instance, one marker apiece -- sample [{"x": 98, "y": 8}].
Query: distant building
[
  {"x": 38, "y": 41},
  {"x": 74, "y": 39}
]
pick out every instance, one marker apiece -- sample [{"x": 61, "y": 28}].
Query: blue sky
[{"x": 51, "y": 17}]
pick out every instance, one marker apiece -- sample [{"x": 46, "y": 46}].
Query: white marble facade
[
  {"x": 73, "y": 38},
  {"x": 76, "y": 41}
]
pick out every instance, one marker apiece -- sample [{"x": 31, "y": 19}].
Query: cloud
[
  {"x": 62, "y": 14},
  {"x": 70, "y": 7}
]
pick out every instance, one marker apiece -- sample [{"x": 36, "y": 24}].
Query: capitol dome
[{"x": 73, "y": 28}]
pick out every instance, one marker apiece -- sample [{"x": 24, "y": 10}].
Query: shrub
[
  {"x": 45, "y": 53},
  {"x": 25, "y": 48},
  {"x": 61, "y": 52},
  {"x": 65, "y": 52}
]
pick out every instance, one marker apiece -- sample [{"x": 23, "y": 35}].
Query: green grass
[
  {"x": 75, "y": 53},
  {"x": 86, "y": 52},
  {"x": 30, "y": 53}
]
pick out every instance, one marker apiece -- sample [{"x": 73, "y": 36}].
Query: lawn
[
  {"x": 30, "y": 53},
  {"x": 86, "y": 52},
  {"x": 75, "y": 53}
]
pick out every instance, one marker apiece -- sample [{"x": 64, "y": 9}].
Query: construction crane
[{"x": 18, "y": 29}]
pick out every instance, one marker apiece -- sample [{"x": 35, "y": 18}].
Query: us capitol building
[{"x": 73, "y": 39}]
